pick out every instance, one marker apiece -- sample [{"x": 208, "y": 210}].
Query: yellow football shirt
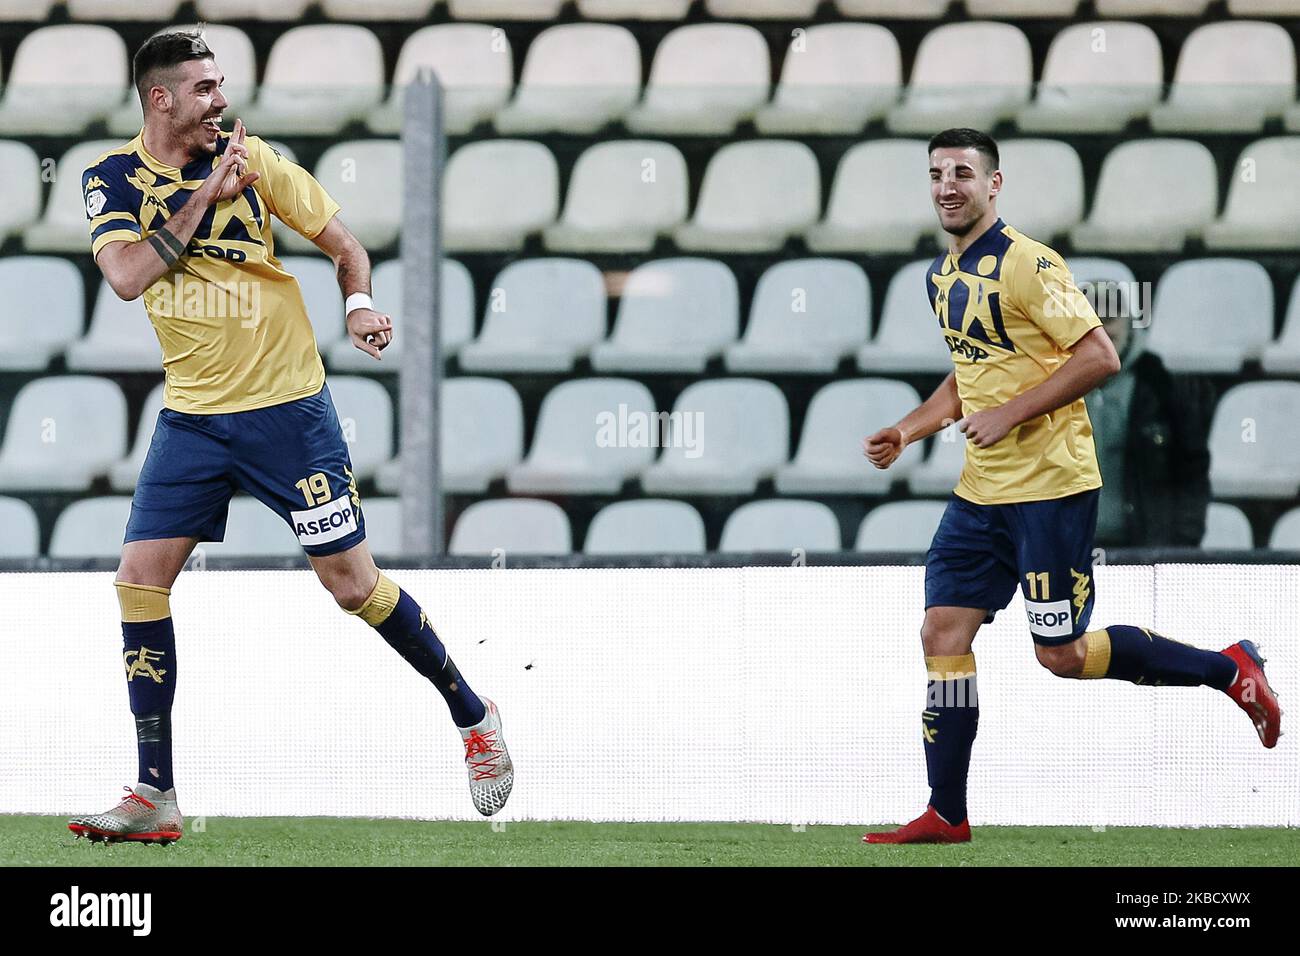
[
  {"x": 231, "y": 321},
  {"x": 1010, "y": 312}
]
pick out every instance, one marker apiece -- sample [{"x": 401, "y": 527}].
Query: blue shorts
[
  {"x": 980, "y": 554},
  {"x": 291, "y": 457}
]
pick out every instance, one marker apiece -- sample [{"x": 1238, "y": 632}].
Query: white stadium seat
[
  {"x": 63, "y": 432},
  {"x": 62, "y": 78},
  {"x": 1262, "y": 198},
  {"x": 1152, "y": 194},
  {"x": 512, "y": 526},
  {"x": 731, "y": 434},
  {"x": 909, "y": 339},
  {"x": 592, "y": 436},
  {"x": 41, "y": 310},
  {"x": 673, "y": 316},
  {"x": 1283, "y": 356},
  {"x": 22, "y": 537},
  {"x": 1152, "y": 8},
  {"x": 296, "y": 98},
  {"x": 125, "y": 473},
  {"x": 1253, "y": 451},
  {"x": 634, "y": 9},
  {"x": 96, "y": 10},
  {"x": 938, "y": 474},
  {"x": 622, "y": 196},
  {"x": 1042, "y": 189},
  {"x": 830, "y": 459},
  {"x": 320, "y": 293},
  {"x": 1188, "y": 330},
  {"x": 837, "y": 77},
  {"x": 120, "y": 338},
  {"x": 34, "y": 10},
  {"x": 646, "y": 526},
  {"x": 1022, "y": 8},
  {"x": 578, "y": 78},
  {"x": 91, "y": 528},
  {"x": 364, "y": 176},
  {"x": 705, "y": 78},
  {"x": 474, "y": 66},
  {"x": 20, "y": 171},
  {"x": 496, "y": 193},
  {"x": 1097, "y": 78},
  {"x": 1109, "y": 286},
  {"x": 1227, "y": 528},
  {"x": 365, "y": 414},
  {"x": 542, "y": 315},
  {"x": 221, "y": 10},
  {"x": 253, "y": 531},
  {"x": 900, "y": 526},
  {"x": 781, "y": 524},
  {"x": 377, "y": 9},
  {"x": 761, "y": 9},
  {"x": 941, "y": 92},
  {"x": 910, "y": 9},
  {"x": 877, "y": 220},
  {"x": 457, "y": 295},
  {"x": 505, "y": 9},
  {"x": 383, "y": 518},
  {"x": 63, "y": 228},
  {"x": 1286, "y": 533},
  {"x": 755, "y": 195},
  {"x": 1264, "y": 8},
  {"x": 806, "y": 316},
  {"x": 1231, "y": 77},
  {"x": 482, "y": 436}
]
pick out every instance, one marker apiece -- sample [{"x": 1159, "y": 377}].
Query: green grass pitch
[{"x": 316, "y": 841}]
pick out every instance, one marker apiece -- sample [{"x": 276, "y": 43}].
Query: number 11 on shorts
[{"x": 1038, "y": 588}]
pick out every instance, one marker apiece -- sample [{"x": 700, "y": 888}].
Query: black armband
[{"x": 168, "y": 247}]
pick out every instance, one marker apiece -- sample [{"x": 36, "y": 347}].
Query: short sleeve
[
  {"x": 112, "y": 206},
  {"x": 1046, "y": 292},
  {"x": 291, "y": 193}
]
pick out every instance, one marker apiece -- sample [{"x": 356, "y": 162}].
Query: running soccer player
[
  {"x": 182, "y": 216},
  {"x": 1026, "y": 346}
]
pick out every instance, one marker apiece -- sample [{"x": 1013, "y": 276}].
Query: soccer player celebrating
[
  {"x": 182, "y": 216},
  {"x": 1026, "y": 346}
]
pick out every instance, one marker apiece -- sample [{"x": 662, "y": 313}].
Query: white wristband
[{"x": 358, "y": 300}]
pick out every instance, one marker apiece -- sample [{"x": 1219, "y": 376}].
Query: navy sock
[
  {"x": 150, "y": 658},
  {"x": 948, "y": 724},
  {"x": 1141, "y": 656}
]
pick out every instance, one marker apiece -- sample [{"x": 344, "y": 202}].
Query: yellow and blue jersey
[
  {"x": 231, "y": 321},
  {"x": 1010, "y": 313}
]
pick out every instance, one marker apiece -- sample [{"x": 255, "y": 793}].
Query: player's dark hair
[
  {"x": 163, "y": 52},
  {"x": 963, "y": 138}
]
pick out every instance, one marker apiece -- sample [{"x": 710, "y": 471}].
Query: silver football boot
[
  {"x": 145, "y": 815},
  {"x": 491, "y": 773}
]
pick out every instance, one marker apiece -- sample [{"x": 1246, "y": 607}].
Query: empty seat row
[{"x": 704, "y": 79}]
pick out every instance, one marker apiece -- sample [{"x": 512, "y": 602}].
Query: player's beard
[
  {"x": 964, "y": 227},
  {"x": 194, "y": 136}
]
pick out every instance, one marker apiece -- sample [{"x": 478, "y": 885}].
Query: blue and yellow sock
[
  {"x": 1141, "y": 656},
  {"x": 149, "y": 654},
  {"x": 400, "y": 621},
  {"x": 948, "y": 724}
]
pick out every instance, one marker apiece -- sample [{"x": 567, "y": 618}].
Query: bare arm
[
  {"x": 936, "y": 412},
  {"x": 369, "y": 330}
]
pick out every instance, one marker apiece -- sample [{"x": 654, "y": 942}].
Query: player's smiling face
[
  {"x": 962, "y": 187},
  {"x": 197, "y": 107}
]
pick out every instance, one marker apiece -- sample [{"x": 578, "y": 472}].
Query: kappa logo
[
  {"x": 1043, "y": 263},
  {"x": 143, "y": 664},
  {"x": 1081, "y": 591},
  {"x": 96, "y": 183}
]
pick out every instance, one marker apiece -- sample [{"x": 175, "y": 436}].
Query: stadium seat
[
  {"x": 732, "y": 434},
  {"x": 1109, "y": 286},
  {"x": 939, "y": 473},
  {"x": 908, "y": 340},
  {"x": 293, "y": 100},
  {"x": 1193, "y": 297},
  {"x": 62, "y": 78},
  {"x": 1227, "y": 529},
  {"x": 253, "y": 531},
  {"x": 1042, "y": 190},
  {"x": 941, "y": 92},
  {"x": 781, "y": 524},
  {"x": 42, "y": 310},
  {"x": 1089, "y": 88},
  {"x": 1231, "y": 77},
  {"x": 63, "y": 228},
  {"x": 120, "y": 338},
  {"x": 1262, "y": 199},
  {"x": 634, "y": 9},
  {"x": 365, "y": 177},
  {"x": 755, "y": 195},
  {"x": 20, "y": 171},
  {"x": 705, "y": 78},
  {"x": 673, "y": 316},
  {"x": 457, "y": 294},
  {"x": 91, "y": 528},
  {"x": 877, "y": 220},
  {"x": 646, "y": 526},
  {"x": 577, "y": 78},
  {"x": 1253, "y": 451},
  {"x": 125, "y": 473},
  {"x": 505, "y": 9},
  {"x": 830, "y": 458},
  {"x": 837, "y": 77},
  {"x": 910, "y": 9},
  {"x": 474, "y": 65},
  {"x": 97, "y": 10},
  {"x": 807, "y": 314},
  {"x": 592, "y": 436},
  {"x": 761, "y": 9},
  {"x": 1152, "y": 194},
  {"x": 1015, "y": 9},
  {"x": 320, "y": 293},
  {"x": 225, "y": 10},
  {"x": 1283, "y": 356},
  {"x": 63, "y": 432},
  {"x": 900, "y": 526},
  {"x": 22, "y": 537},
  {"x": 542, "y": 315},
  {"x": 383, "y": 517},
  {"x": 482, "y": 436},
  {"x": 497, "y": 192},
  {"x": 622, "y": 196},
  {"x": 377, "y": 9},
  {"x": 1286, "y": 533},
  {"x": 1152, "y": 8},
  {"x": 365, "y": 414},
  {"x": 34, "y": 10},
  {"x": 1264, "y": 8},
  {"x": 512, "y": 526}
]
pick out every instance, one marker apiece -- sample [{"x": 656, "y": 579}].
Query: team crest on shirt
[{"x": 95, "y": 202}]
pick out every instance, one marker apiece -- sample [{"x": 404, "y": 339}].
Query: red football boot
[
  {"x": 929, "y": 827},
  {"x": 1251, "y": 692}
]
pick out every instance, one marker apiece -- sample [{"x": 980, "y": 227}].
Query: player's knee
[
  {"x": 1065, "y": 660},
  {"x": 349, "y": 592},
  {"x": 942, "y": 640}
]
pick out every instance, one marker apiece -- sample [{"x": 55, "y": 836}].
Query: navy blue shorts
[
  {"x": 291, "y": 457},
  {"x": 982, "y": 552}
]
